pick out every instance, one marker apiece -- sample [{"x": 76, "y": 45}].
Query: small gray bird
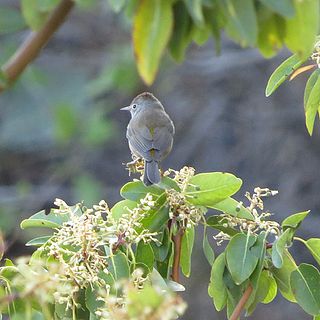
[{"x": 150, "y": 134}]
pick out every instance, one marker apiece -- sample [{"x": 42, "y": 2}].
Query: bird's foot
[{"x": 137, "y": 165}]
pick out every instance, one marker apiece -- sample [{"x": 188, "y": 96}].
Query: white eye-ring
[{"x": 134, "y": 106}]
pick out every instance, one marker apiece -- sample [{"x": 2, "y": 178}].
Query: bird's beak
[{"x": 125, "y": 108}]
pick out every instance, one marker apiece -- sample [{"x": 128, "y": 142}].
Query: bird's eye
[{"x": 134, "y": 106}]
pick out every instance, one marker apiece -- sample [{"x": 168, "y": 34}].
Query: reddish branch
[
  {"x": 246, "y": 295},
  {"x": 31, "y": 47},
  {"x": 177, "y": 254}
]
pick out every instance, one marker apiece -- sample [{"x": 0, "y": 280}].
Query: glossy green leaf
[
  {"x": 272, "y": 290},
  {"x": 145, "y": 255},
  {"x": 91, "y": 299},
  {"x": 41, "y": 219},
  {"x": 136, "y": 190},
  {"x": 263, "y": 285},
  {"x": 180, "y": 37},
  {"x": 117, "y": 5},
  {"x": 207, "y": 249},
  {"x": 207, "y": 189},
  {"x": 38, "y": 241},
  {"x": 305, "y": 283},
  {"x": 312, "y": 106},
  {"x": 232, "y": 207},
  {"x": 241, "y": 259},
  {"x": 121, "y": 208},
  {"x": 271, "y": 32},
  {"x": 186, "y": 251},
  {"x": 279, "y": 246},
  {"x": 220, "y": 223},
  {"x": 119, "y": 266},
  {"x": 242, "y": 21},
  {"x": 157, "y": 216},
  {"x": 283, "y": 7},
  {"x": 294, "y": 220},
  {"x": 283, "y": 72},
  {"x": 32, "y": 16},
  {"x": 310, "y": 84},
  {"x": 303, "y": 27},
  {"x": 152, "y": 28},
  {"x": 11, "y": 20},
  {"x": 259, "y": 249},
  {"x": 313, "y": 245},
  {"x": 217, "y": 289},
  {"x": 195, "y": 11},
  {"x": 282, "y": 275}
]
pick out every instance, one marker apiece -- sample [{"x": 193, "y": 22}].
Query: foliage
[{"x": 117, "y": 263}]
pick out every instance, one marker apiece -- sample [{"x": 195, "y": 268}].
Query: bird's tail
[{"x": 151, "y": 173}]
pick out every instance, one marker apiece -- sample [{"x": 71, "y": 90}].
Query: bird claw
[{"x": 137, "y": 165}]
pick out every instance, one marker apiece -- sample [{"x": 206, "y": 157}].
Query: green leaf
[
  {"x": 242, "y": 21},
  {"x": 145, "y": 255},
  {"x": 41, "y": 219},
  {"x": 207, "y": 189},
  {"x": 136, "y": 190},
  {"x": 119, "y": 266},
  {"x": 313, "y": 244},
  {"x": 305, "y": 283},
  {"x": 217, "y": 289},
  {"x": 180, "y": 37},
  {"x": 283, "y": 7},
  {"x": 121, "y": 208},
  {"x": 38, "y": 241},
  {"x": 278, "y": 248},
  {"x": 301, "y": 30},
  {"x": 186, "y": 251},
  {"x": 282, "y": 275},
  {"x": 272, "y": 290},
  {"x": 263, "y": 286},
  {"x": 294, "y": 220},
  {"x": 232, "y": 207},
  {"x": 310, "y": 84},
  {"x": 207, "y": 249},
  {"x": 91, "y": 299},
  {"x": 259, "y": 249},
  {"x": 195, "y": 10},
  {"x": 283, "y": 72},
  {"x": 271, "y": 32},
  {"x": 312, "y": 106},
  {"x": 221, "y": 223},
  {"x": 152, "y": 28},
  {"x": 32, "y": 16},
  {"x": 117, "y": 5},
  {"x": 46, "y": 5},
  {"x": 157, "y": 216},
  {"x": 11, "y": 20},
  {"x": 241, "y": 259}
]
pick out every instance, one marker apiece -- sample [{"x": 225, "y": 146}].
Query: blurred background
[{"x": 62, "y": 134}]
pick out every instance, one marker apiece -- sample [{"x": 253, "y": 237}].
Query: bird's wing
[{"x": 142, "y": 142}]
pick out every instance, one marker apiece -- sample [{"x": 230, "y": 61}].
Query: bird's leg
[{"x": 136, "y": 165}]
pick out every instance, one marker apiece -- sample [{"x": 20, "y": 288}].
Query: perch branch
[
  {"x": 238, "y": 309},
  {"x": 177, "y": 254},
  {"x": 31, "y": 47}
]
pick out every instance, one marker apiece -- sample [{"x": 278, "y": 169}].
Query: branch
[
  {"x": 31, "y": 47},
  {"x": 177, "y": 253},
  {"x": 238, "y": 309}
]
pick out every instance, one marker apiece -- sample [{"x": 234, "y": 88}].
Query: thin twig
[
  {"x": 31, "y": 47},
  {"x": 177, "y": 254},
  {"x": 238, "y": 309}
]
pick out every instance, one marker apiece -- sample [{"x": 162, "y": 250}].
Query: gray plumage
[{"x": 149, "y": 133}]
